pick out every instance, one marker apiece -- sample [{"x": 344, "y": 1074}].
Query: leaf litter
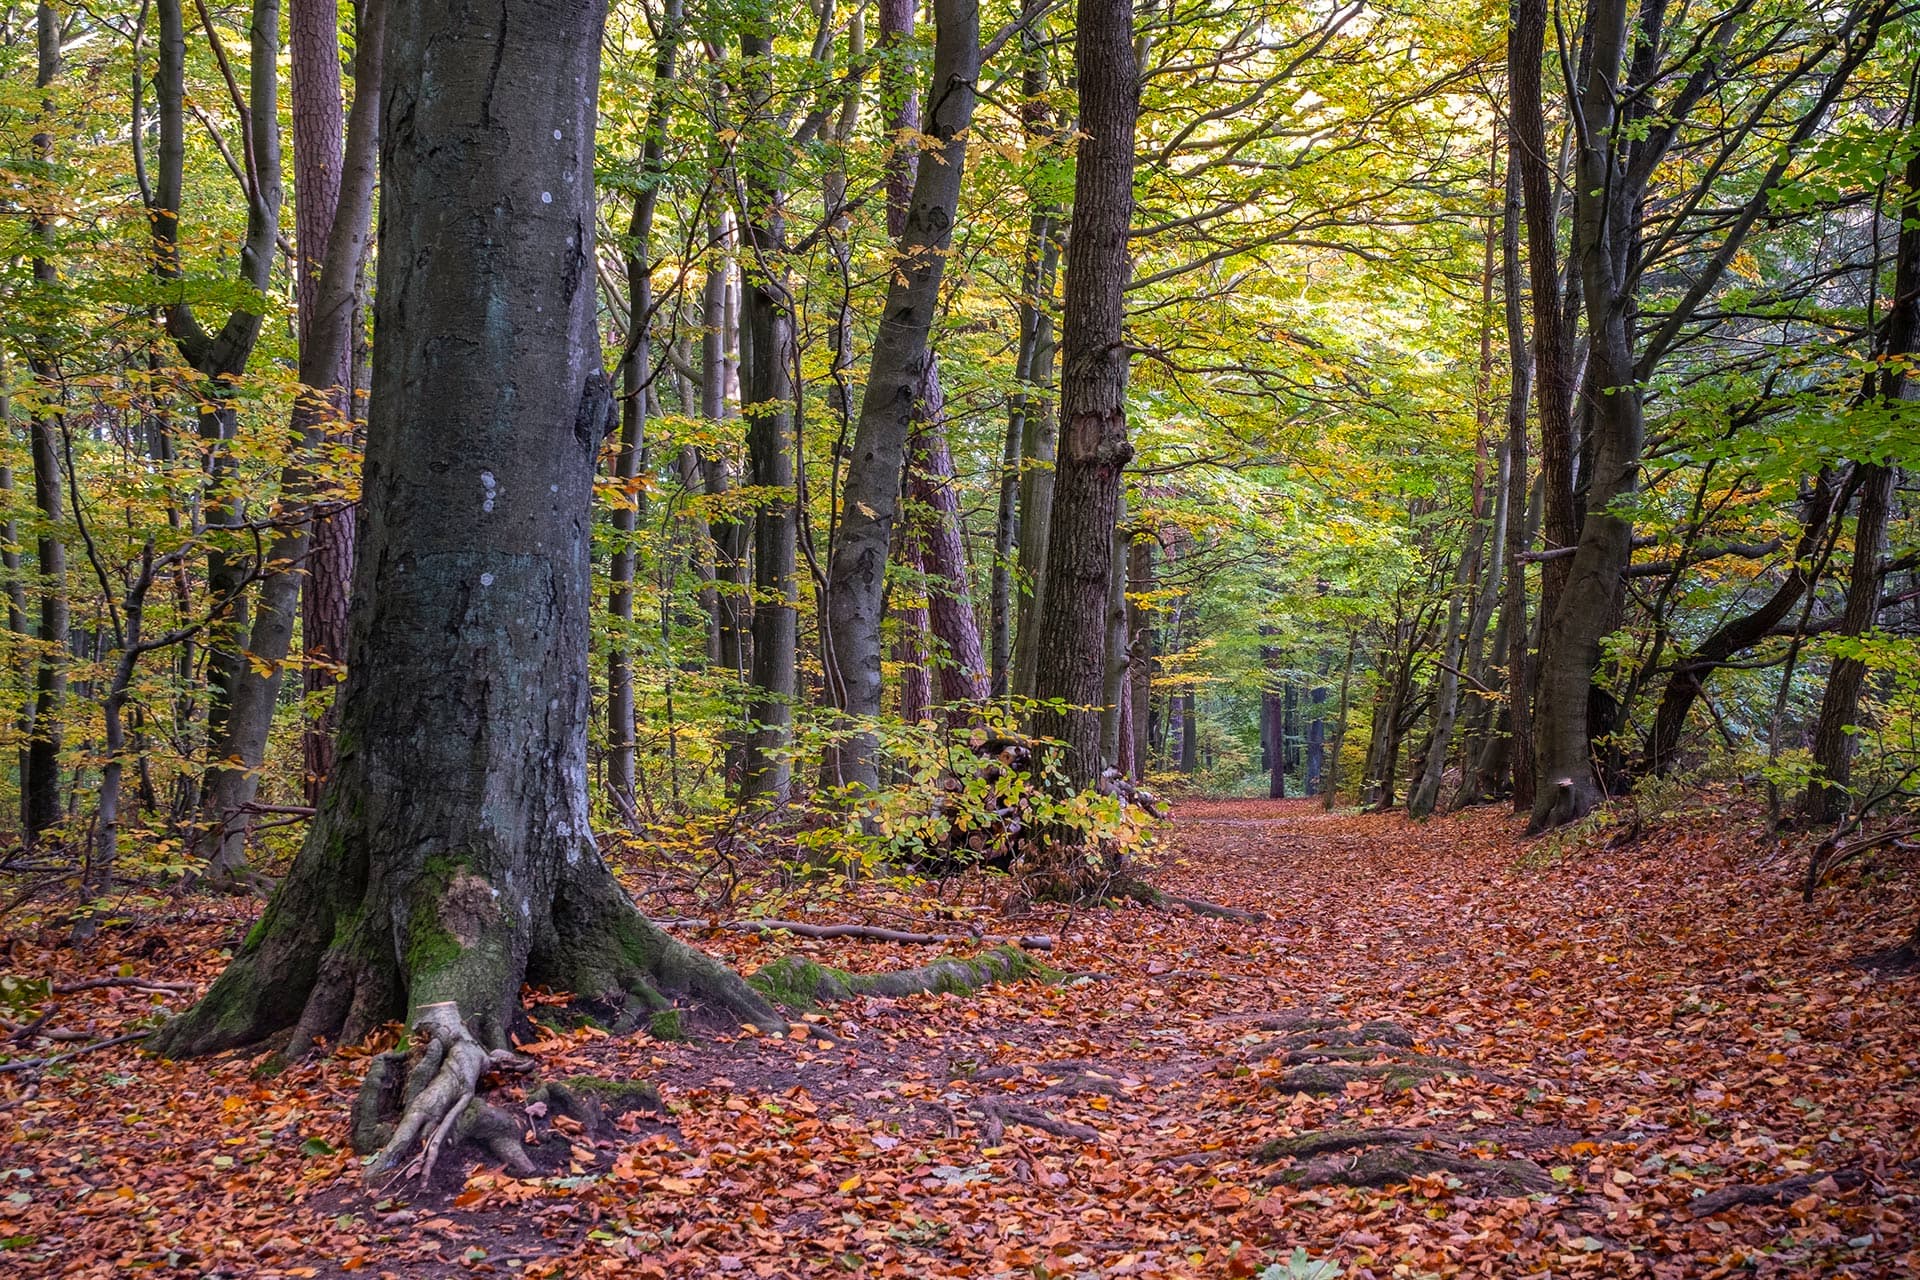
[{"x": 1445, "y": 1054}]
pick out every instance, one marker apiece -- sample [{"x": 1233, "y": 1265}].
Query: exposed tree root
[
  {"x": 996, "y": 1115},
  {"x": 1785, "y": 1191},
  {"x": 435, "y": 1084},
  {"x": 1323, "y": 1078},
  {"x": 798, "y": 983},
  {"x": 863, "y": 932},
  {"x": 1397, "y": 1162}
]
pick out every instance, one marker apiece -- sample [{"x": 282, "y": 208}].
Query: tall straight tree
[
  {"x": 329, "y": 283},
  {"x": 767, "y": 403},
  {"x": 220, "y": 356},
  {"x": 1094, "y": 449},
  {"x": 856, "y": 579},
  {"x": 636, "y": 377},
  {"x": 451, "y": 858},
  {"x": 325, "y": 186},
  {"x": 40, "y": 781}
]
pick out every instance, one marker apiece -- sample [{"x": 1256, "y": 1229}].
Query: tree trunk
[
  {"x": 1189, "y": 733},
  {"x": 233, "y": 780},
  {"x": 1605, "y": 236},
  {"x": 40, "y": 786},
  {"x": 451, "y": 858},
  {"x": 726, "y": 635},
  {"x": 319, "y": 168},
  {"x": 1094, "y": 449},
  {"x": 767, "y": 401},
  {"x": 220, "y": 356},
  {"x": 1827, "y": 797},
  {"x": 1330, "y": 792},
  {"x": 932, "y": 484},
  {"x": 1027, "y": 495},
  {"x": 896, "y": 383},
  {"x": 635, "y": 379},
  {"x": 1139, "y": 651}
]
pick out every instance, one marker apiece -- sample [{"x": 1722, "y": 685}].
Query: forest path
[{"x": 1536, "y": 1062}]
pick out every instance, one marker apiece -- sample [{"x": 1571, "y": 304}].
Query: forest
[{"x": 1009, "y": 638}]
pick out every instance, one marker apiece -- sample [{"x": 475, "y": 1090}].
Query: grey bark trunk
[
  {"x": 451, "y": 856},
  {"x": 767, "y": 401},
  {"x": 635, "y": 379},
  {"x": 40, "y": 786},
  {"x": 856, "y": 578},
  {"x": 1094, "y": 449}
]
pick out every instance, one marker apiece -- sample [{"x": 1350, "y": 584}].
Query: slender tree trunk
[
  {"x": 896, "y": 382},
  {"x": 1331, "y": 789},
  {"x": 636, "y": 376},
  {"x": 319, "y": 167},
  {"x": 1094, "y": 449},
  {"x": 40, "y": 788},
  {"x": 932, "y": 484},
  {"x": 220, "y": 356},
  {"x": 1113, "y": 677},
  {"x": 726, "y": 643},
  {"x": 1189, "y": 733},
  {"x": 233, "y": 780},
  {"x": 767, "y": 400},
  {"x": 1032, "y": 431},
  {"x": 1827, "y": 797},
  {"x": 1139, "y": 651}
]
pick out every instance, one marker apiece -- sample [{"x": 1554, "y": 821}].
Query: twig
[
  {"x": 35, "y": 1064},
  {"x": 139, "y": 984}
]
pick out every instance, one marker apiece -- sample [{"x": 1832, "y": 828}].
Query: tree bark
[
  {"x": 767, "y": 401},
  {"x": 1840, "y": 702},
  {"x": 320, "y": 127},
  {"x": 896, "y": 381},
  {"x": 1094, "y": 449},
  {"x": 934, "y": 488},
  {"x": 40, "y": 785},
  {"x": 635, "y": 380},
  {"x": 1139, "y": 651},
  {"x": 220, "y": 356},
  {"x": 233, "y": 779},
  {"x": 451, "y": 857},
  {"x": 1827, "y": 797}
]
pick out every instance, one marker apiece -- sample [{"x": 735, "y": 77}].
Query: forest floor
[{"x": 1538, "y": 1055}]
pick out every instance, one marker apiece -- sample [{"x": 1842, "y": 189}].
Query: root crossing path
[{"x": 1447, "y": 1052}]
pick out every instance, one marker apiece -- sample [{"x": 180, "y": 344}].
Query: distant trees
[{"x": 1215, "y": 390}]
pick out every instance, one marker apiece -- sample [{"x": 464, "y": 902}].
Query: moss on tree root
[{"x": 794, "y": 982}]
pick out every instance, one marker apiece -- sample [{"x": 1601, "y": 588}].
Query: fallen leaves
[{"x": 1674, "y": 1047}]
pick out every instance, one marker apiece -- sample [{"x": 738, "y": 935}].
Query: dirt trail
[{"x": 1536, "y": 1064}]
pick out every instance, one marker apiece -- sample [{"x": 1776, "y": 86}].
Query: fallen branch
[
  {"x": 1201, "y": 907},
  {"x": 863, "y": 932},
  {"x": 1785, "y": 1191},
  {"x": 35, "y": 1064},
  {"x": 138, "y": 984}
]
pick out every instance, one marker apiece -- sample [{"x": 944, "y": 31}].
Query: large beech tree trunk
[
  {"x": 1094, "y": 449},
  {"x": 450, "y": 860}
]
